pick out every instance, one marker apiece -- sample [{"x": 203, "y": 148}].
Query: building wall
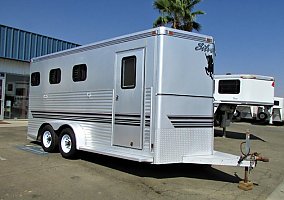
[
  {"x": 14, "y": 67},
  {"x": 15, "y": 86},
  {"x": 17, "y": 48}
]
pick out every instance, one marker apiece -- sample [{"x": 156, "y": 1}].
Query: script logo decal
[{"x": 204, "y": 47}]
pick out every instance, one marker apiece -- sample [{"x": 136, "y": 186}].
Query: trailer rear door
[{"x": 129, "y": 81}]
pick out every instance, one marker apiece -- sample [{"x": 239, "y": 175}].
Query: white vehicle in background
[{"x": 241, "y": 90}]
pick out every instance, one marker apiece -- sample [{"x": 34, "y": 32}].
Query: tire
[
  {"x": 262, "y": 116},
  {"x": 49, "y": 139},
  {"x": 67, "y": 143}
]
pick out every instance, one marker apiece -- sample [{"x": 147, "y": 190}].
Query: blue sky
[{"x": 249, "y": 34}]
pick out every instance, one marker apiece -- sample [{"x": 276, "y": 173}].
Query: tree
[{"x": 178, "y": 13}]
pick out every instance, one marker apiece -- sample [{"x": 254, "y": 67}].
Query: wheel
[
  {"x": 67, "y": 145},
  {"x": 49, "y": 139},
  {"x": 262, "y": 116}
]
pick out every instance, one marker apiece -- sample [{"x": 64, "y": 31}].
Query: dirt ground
[{"x": 26, "y": 172}]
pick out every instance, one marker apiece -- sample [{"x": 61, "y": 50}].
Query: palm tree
[{"x": 178, "y": 13}]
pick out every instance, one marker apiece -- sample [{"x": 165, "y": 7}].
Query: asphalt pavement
[{"x": 27, "y": 172}]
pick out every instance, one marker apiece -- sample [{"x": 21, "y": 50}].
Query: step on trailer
[
  {"x": 278, "y": 110},
  {"x": 256, "y": 113},
  {"x": 146, "y": 97},
  {"x": 241, "y": 90},
  {"x": 245, "y": 112}
]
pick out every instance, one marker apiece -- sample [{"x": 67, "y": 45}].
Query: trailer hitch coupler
[{"x": 261, "y": 158}]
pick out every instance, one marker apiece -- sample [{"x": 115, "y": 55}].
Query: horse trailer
[
  {"x": 146, "y": 97},
  {"x": 241, "y": 90}
]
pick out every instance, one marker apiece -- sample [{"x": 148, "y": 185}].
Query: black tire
[
  {"x": 49, "y": 139},
  {"x": 262, "y": 116},
  {"x": 67, "y": 143}
]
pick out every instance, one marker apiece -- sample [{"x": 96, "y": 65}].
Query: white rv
[
  {"x": 241, "y": 90},
  {"x": 146, "y": 97}
]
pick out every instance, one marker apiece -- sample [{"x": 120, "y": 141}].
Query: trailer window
[
  {"x": 55, "y": 76},
  {"x": 79, "y": 72},
  {"x": 229, "y": 87},
  {"x": 35, "y": 79},
  {"x": 128, "y": 72}
]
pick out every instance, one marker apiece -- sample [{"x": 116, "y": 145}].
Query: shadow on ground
[
  {"x": 204, "y": 172},
  {"x": 236, "y": 135},
  {"x": 159, "y": 171},
  {"x": 165, "y": 171}
]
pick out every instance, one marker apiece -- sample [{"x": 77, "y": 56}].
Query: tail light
[{"x": 273, "y": 84}]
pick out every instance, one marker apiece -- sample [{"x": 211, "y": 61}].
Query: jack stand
[
  {"x": 224, "y": 132},
  {"x": 246, "y": 184},
  {"x": 254, "y": 157}
]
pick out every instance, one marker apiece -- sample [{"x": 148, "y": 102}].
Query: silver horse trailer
[{"x": 146, "y": 97}]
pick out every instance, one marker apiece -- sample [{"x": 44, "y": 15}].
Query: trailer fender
[{"x": 78, "y": 131}]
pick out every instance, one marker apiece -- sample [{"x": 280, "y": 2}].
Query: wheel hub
[
  {"x": 66, "y": 143},
  {"x": 47, "y": 139}
]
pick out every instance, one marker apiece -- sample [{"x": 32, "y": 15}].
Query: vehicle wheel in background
[{"x": 262, "y": 116}]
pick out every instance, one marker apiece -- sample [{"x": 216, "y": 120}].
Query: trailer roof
[
  {"x": 131, "y": 37},
  {"x": 244, "y": 76}
]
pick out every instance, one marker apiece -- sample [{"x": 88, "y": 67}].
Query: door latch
[{"x": 116, "y": 97}]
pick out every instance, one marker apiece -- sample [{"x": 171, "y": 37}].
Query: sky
[{"x": 249, "y": 34}]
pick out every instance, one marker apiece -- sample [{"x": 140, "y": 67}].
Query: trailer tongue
[{"x": 220, "y": 158}]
